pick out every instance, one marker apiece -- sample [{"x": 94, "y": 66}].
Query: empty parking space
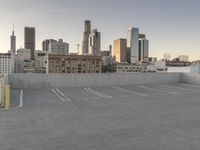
[
  {"x": 119, "y": 117},
  {"x": 78, "y": 94},
  {"x": 38, "y": 97},
  {"x": 130, "y": 91},
  {"x": 156, "y": 90},
  {"x": 180, "y": 88},
  {"x": 191, "y": 86}
]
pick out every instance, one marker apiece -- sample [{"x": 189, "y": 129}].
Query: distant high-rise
[
  {"x": 13, "y": 42},
  {"x": 95, "y": 43},
  {"x": 120, "y": 50},
  {"x": 110, "y": 50},
  {"x": 143, "y": 48},
  {"x": 29, "y": 40},
  {"x": 167, "y": 57},
  {"x": 133, "y": 44},
  {"x": 58, "y": 47},
  {"x": 86, "y": 34},
  {"x": 45, "y": 44}
]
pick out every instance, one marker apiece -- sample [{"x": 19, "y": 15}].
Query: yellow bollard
[
  {"x": 2, "y": 94},
  {"x": 7, "y": 101}
]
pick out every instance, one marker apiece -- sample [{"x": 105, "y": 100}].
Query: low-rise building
[
  {"x": 58, "y": 47},
  {"x": 126, "y": 68},
  {"x": 183, "y": 58},
  {"x": 23, "y": 60},
  {"x": 5, "y": 63},
  {"x": 19, "y": 64},
  {"x": 24, "y": 53},
  {"x": 40, "y": 61},
  {"x": 73, "y": 64},
  {"x": 158, "y": 66}
]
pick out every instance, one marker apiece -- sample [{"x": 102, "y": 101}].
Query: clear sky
[{"x": 172, "y": 26}]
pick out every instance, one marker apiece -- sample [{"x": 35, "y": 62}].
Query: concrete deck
[{"x": 140, "y": 117}]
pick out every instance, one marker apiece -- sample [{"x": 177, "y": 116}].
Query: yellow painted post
[
  {"x": 7, "y": 101},
  {"x": 2, "y": 94}
]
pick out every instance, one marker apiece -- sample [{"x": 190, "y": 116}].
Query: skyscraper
[
  {"x": 110, "y": 50},
  {"x": 133, "y": 44},
  {"x": 29, "y": 40},
  {"x": 120, "y": 50},
  {"x": 13, "y": 42},
  {"x": 86, "y": 33},
  {"x": 143, "y": 48},
  {"x": 95, "y": 43}
]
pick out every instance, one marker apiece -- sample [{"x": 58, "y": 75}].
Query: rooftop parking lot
[{"x": 143, "y": 117}]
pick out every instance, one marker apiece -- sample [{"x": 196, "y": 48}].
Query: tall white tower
[
  {"x": 133, "y": 44},
  {"x": 13, "y": 42},
  {"x": 86, "y": 34}
]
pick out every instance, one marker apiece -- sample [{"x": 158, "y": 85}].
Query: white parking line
[
  {"x": 67, "y": 98},
  {"x": 157, "y": 90},
  {"x": 97, "y": 93},
  {"x": 130, "y": 91},
  {"x": 181, "y": 88},
  {"x": 59, "y": 95},
  {"x": 20, "y": 100}
]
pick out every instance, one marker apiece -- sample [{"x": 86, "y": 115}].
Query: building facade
[
  {"x": 29, "y": 40},
  {"x": 86, "y": 34},
  {"x": 133, "y": 44},
  {"x": 23, "y": 60},
  {"x": 120, "y": 50},
  {"x": 126, "y": 68},
  {"x": 58, "y": 47},
  {"x": 183, "y": 58},
  {"x": 5, "y": 63},
  {"x": 95, "y": 43},
  {"x": 73, "y": 64},
  {"x": 40, "y": 61},
  {"x": 25, "y": 54},
  {"x": 19, "y": 64},
  {"x": 45, "y": 44}
]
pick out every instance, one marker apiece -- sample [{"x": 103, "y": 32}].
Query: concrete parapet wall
[
  {"x": 193, "y": 78},
  {"x": 86, "y": 80}
]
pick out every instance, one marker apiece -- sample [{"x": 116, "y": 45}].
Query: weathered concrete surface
[
  {"x": 193, "y": 78},
  {"x": 167, "y": 119},
  {"x": 85, "y": 80}
]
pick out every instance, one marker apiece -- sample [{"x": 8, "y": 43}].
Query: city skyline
[{"x": 169, "y": 28}]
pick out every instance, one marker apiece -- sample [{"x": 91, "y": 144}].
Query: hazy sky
[{"x": 172, "y": 26}]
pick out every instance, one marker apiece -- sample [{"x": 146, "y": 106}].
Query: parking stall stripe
[
  {"x": 97, "y": 93},
  {"x": 57, "y": 94},
  {"x": 67, "y": 98},
  {"x": 130, "y": 91}
]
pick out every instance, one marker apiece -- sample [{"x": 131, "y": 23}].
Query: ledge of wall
[{"x": 86, "y": 80}]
